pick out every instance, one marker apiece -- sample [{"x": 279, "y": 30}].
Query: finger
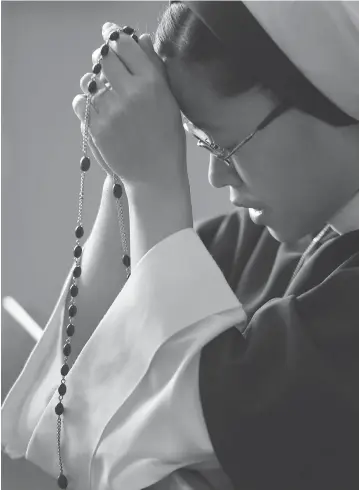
[
  {"x": 96, "y": 153},
  {"x": 79, "y": 107},
  {"x": 113, "y": 70},
  {"x": 86, "y": 79},
  {"x": 103, "y": 78},
  {"x": 147, "y": 45},
  {"x": 102, "y": 86},
  {"x": 128, "y": 50}
]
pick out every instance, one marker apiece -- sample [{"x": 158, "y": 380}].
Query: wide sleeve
[
  {"x": 281, "y": 397},
  {"x": 139, "y": 370}
]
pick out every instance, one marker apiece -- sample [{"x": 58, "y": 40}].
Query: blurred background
[{"x": 46, "y": 49}]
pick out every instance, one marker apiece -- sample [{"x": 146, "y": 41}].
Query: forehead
[
  {"x": 196, "y": 99},
  {"x": 227, "y": 120}
]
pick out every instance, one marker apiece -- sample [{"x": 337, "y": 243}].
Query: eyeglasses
[{"x": 205, "y": 141}]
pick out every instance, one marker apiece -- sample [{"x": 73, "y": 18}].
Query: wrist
[
  {"x": 156, "y": 213},
  {"x": 173, "y": 204}
]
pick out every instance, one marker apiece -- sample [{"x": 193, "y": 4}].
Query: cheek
[{"x": 283, "y": 178}]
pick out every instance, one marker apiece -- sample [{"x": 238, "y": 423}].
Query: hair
[{"x": 256, "y": 63}]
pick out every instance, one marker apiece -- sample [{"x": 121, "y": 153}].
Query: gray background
[{"x": 46, "y": 49}]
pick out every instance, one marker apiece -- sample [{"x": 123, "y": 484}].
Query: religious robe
[
  {"x": 280, "y": 394},
  {"x": 277, "y": 359}
]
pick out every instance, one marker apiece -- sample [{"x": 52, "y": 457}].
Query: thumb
[{"x": 146, "y": 44}]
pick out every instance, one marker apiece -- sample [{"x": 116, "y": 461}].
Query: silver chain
[{"x": 309, "y": 249}]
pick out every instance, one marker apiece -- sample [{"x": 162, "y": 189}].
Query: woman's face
[{"x": 299, "y": 170}]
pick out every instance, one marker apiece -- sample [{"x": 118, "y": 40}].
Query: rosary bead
[
  {"x": 67, "y": 350},
  {"x": 135, "y": 38},
  {"x": 74, "y": 290},
  {"x": 72, "y": 310},
  {"x": 77, "y": 251},
  {"x": 85, "y": 164},
  {"x": 62, "y": 389},
  {"x": 105, "y": 49},
  {"x": 70, "y": 329},
  {"x": 96, "y": 68},
  {"x": 92, "y": 87},
  {"x": 79, "y": 231},
  {"x": 62, "y": 481},
  {"x": 59, "y": 409},
  {"x": 65, "y": 369},
  {"x": 114, "y": 35},
  {"x": 77, "y": 271},
  {"x": 126, "y": 260},
  {"x": 117, "y": 191},
  {"x": 128, "y": 30}
]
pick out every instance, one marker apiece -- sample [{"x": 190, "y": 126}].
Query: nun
[{"x": 229, "y": 360}]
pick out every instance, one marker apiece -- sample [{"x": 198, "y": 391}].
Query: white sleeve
[{"x": 134, "y": 410}]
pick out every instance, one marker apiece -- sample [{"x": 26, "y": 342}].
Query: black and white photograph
[{"x": 180, "y": 245}]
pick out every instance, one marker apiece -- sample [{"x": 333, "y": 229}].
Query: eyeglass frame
[{"x": 220, "y": 152}]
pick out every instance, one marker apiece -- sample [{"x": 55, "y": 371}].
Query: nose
[{"x": 220, "y": 175}]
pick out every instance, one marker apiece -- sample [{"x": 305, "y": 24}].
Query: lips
[{"x": 247, "y": 204}]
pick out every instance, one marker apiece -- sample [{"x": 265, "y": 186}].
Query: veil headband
[{"x": 321, "y": 38}]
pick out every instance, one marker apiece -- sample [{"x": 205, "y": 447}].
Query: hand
[
  {"x": 97, "y": 154},
  {"x": 136, "y": 126}
]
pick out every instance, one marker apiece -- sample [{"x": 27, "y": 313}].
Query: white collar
[{"x": 347, "y": 218}]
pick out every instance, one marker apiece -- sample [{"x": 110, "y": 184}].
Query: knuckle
[
  {"x": 84, "y": 81},
  {"x": 78, "y": 104},
  {"x": 107, "y": 28},
  {"x": 96, "y": 55}
]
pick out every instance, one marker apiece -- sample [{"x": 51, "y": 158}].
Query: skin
[{"x": 302, "y": 170}]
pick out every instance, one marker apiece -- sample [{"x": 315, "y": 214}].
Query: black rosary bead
[
  {"x": 72, "y": 311},
  {"x": 77, "y": 251},
  {"x": 77, "y": 271},
  {"x": 79, "y": 231},
  {"x": 114, "y": 35},
  {"x": 65, "y": 369},
  {"x": 62, "y": 481},
  {"x": 85, "y": 164},
  {"x": 92, "y": 87},
  {"x": 105, "y": 49},
  {"x": 62, "y": 389},
  {"x": 67, "y": 350},
  {"x": 117, "y": 191},
  {"x": 70, "y": 329},
  {"x": 126, "y": 260},
  {"x": 96, "y": 68},
  {"x": 59, "y": 409},
  {"x": 128, "y": 30},
  {"x": 74, "y": 290},
  {"x": 135, "y": 38}
]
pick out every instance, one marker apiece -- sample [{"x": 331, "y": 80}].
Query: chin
[{"x": 289, "y": 236}]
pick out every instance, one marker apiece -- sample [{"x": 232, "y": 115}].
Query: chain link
[{"x": 309, "y": 249}]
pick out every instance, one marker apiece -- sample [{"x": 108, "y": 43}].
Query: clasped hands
[{"x": 135, "y": 128}]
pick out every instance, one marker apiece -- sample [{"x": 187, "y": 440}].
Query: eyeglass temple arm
[
  {"x": 271, "y": 116},
  {"x": 282, "y": 107}
]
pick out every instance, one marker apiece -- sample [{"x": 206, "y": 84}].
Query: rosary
[{"x": 62, "y": 480}]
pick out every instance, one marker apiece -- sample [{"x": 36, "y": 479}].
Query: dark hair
[{"x": 257, "y": 61}]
